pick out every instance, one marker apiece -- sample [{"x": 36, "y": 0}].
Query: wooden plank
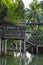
[
  {"x": 33, "y": 23},
  {"x": 14, "y": 38},
  {"x": 30, "y": 42},
  {"x": 40, "y": 45}
]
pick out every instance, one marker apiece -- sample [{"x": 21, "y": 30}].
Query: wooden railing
[{"x": 12, "y": 32}]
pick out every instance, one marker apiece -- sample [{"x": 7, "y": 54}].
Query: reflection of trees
[{"x": 37, "y": 60}]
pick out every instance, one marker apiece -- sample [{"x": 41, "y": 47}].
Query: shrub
[{"x": 37, "y": 36}]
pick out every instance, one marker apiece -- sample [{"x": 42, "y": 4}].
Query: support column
[
  {"x": 3, "y": 47},
  {"x": 20, "y": 53},
  {"x": 32, "y": 49},
  {"x": 20, "y": 47},
  {"x": 37, "y": 49},
  {"x": 16, "y": 54},
  {"x": 0, "y": 46}
]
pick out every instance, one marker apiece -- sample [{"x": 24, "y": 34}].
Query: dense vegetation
[
  {"x": 11, "y": 12},
  {"x": 14, "y": 12},
  {"x": 37, "y": 37},
  {"x": 35, "y": 14}
]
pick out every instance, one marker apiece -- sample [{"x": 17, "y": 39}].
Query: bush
[{"x": 37, "y": 36}]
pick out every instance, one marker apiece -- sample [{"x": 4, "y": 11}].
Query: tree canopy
[
  {"x": 34, "y": 12},
  {"x": 14, "y": 11}
]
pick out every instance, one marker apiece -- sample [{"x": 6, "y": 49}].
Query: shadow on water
[{"x": 11, "y": 60}]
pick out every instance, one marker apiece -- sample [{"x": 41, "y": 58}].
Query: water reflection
[
  {"x": 16, "y": 60},
  {"x": 27, "y": 57},
  {"x": 3, "y": 60},
  {"x": 23, "y": 60},
  {"x": 37, "y": 60}
]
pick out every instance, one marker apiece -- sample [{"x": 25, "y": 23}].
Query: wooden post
[
  {"x": 3, "y": 46},
  {"x": 20, "y": 47},
  {"x": 37, "y": 49},
  {"x": 0, "y": 46},
  {"x": 20, "y": 53},
  {"x": 32, "y": 49},
  {"x": 16, "y": 53}
]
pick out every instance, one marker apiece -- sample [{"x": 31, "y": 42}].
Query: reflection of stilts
[
  {"x": 36, "y": 59},
  {"x": 0, "y": 60},
  {"x": 19, "y": 55},
  {"x": 3, "y": 60}
]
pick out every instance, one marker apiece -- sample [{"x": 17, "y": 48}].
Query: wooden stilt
[
  {"x": 32, "y": 49},
  {"x": 16, "y": 53},
  {"x": 20, "y": 47},
  {"x": 0, "y": 46},
  {"x": 37, "y": 49},
  {"x": 3, "y": 47}
]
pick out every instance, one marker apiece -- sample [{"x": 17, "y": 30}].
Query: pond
[{"x": 23, "y": 60}]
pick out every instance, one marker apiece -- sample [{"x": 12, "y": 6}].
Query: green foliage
[
  {"x": 15, "y": 11},
  {"x": 11, "y": 43},
  {"x": 34, "y": 6},
  {"x": 41, "y": 4},
  {"x": 3, "y": 11},
  {"x": 35, "y": 13},
  {"x": 37, "y": 36}
]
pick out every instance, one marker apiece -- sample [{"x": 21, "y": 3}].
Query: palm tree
[{"x": 33, "y": 14}]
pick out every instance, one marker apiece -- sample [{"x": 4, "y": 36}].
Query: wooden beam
[
  {"x": 37, "y": 49},
  {"x": 33, "y": 23},
  {"x": 30, "y": 43},
  {"x": 40, "y": 45}
]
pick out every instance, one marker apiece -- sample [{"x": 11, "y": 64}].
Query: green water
[{"x": 11, "y": 60}]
